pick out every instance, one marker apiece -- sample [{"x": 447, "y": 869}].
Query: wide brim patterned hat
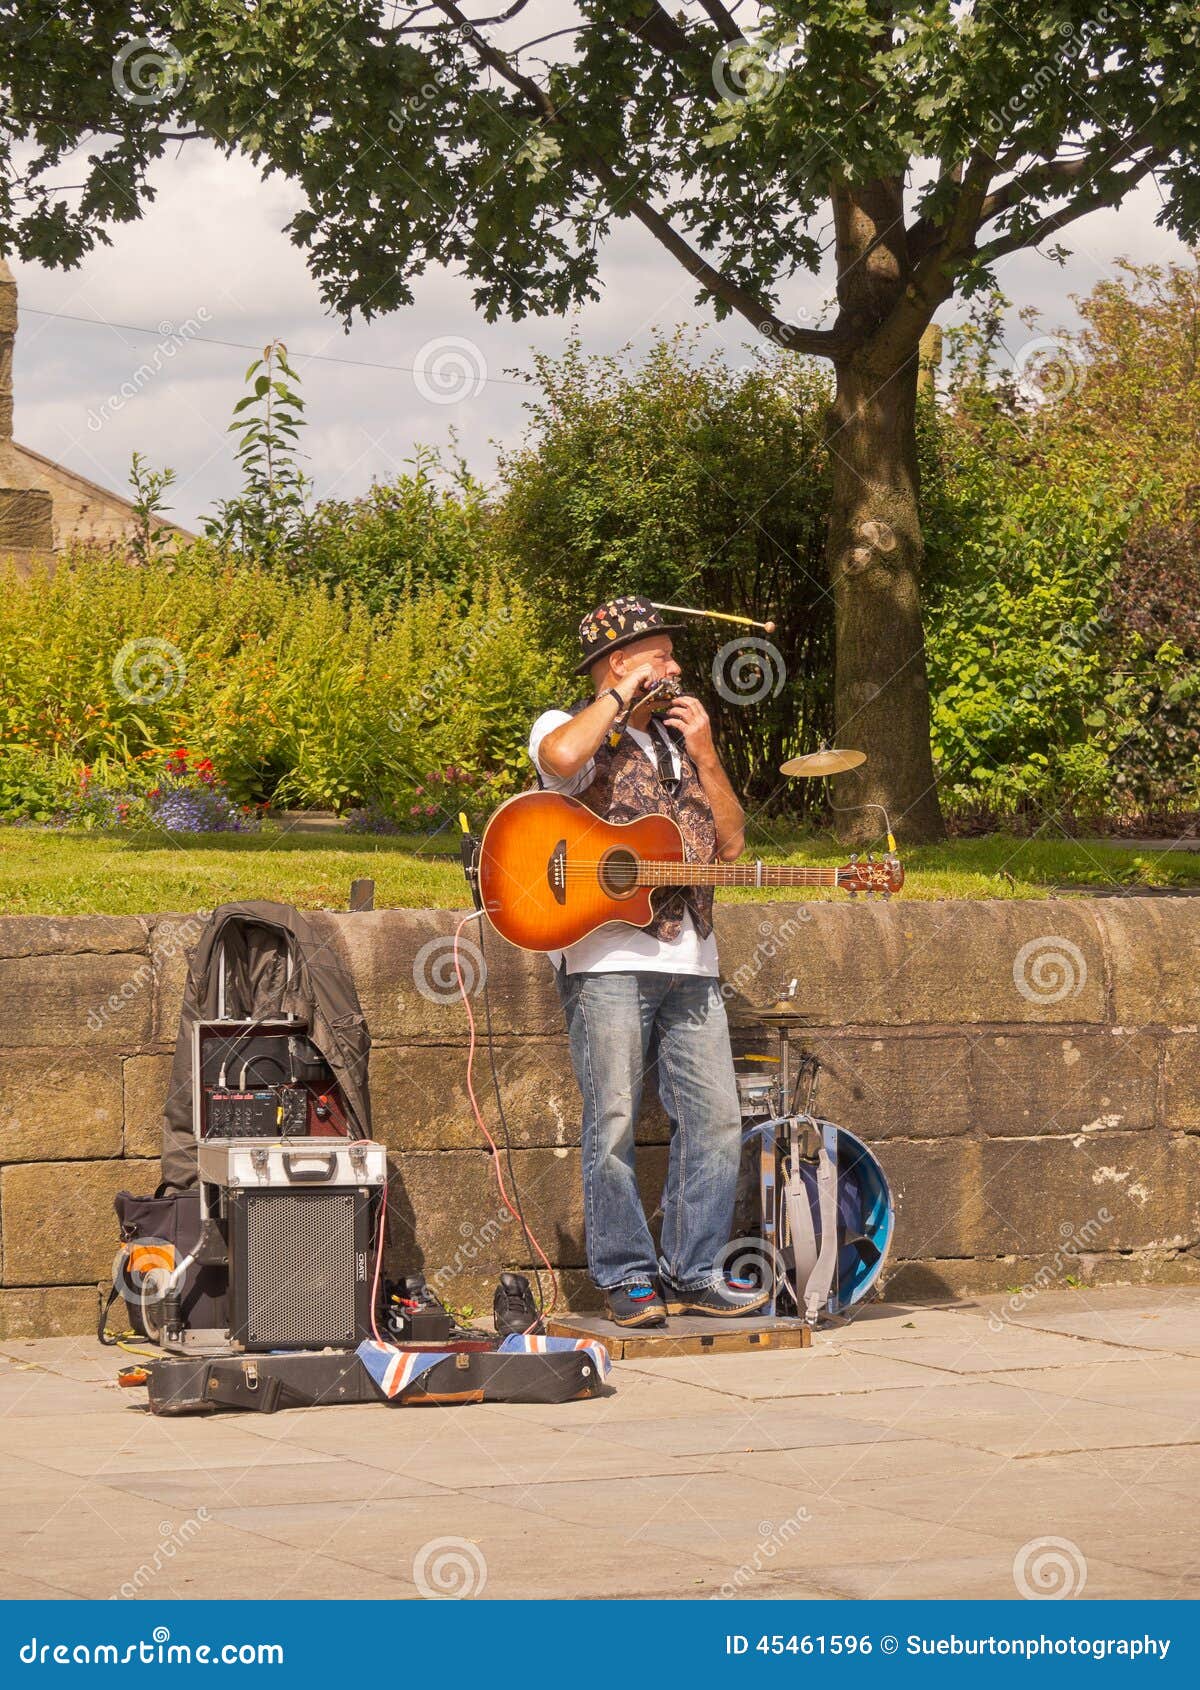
[{"x": 618, "y": 623}]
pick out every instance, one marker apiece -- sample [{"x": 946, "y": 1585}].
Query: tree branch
[
  {"x": 728, "y": 28},
  {"x": 823, "y": 342},
  {"x": 1015, "y": 240}
]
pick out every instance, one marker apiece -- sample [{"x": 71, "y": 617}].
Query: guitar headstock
[{"x": 867, "y": 875}]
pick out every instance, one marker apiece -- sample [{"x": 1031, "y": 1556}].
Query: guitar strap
[{"x": 813, "y": 1260}]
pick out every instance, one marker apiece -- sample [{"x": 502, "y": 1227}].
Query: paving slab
[
  {"x": 1011, "y": 1420},
  {"x": 918, "y": 1451},
  {"x": 828, "y": 1371}
]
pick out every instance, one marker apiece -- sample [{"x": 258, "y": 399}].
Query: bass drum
[{"x": 866, "y": 1214}]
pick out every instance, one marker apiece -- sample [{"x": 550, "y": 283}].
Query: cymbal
[{"x": 823, "y": 763}]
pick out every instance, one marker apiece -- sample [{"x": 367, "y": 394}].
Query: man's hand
[
  {"x": 630, "y": 685},
  {"x": 691, "y": 718}
]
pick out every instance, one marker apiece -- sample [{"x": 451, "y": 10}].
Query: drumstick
[{"x": 716, "y": 616}]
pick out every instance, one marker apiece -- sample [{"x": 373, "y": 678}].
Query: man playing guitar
[{"x": 639, "y": 997}]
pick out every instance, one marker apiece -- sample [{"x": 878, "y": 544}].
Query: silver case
[{"x": 261, "y": 1164}]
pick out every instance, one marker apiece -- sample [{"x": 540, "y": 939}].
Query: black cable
[{"x": 516, "y": 1190}]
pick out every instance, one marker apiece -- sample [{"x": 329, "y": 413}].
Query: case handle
[{"x": 326, "y": 1170}]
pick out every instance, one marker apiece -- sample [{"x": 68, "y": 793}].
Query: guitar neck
[{"x": 733, "y": 874}]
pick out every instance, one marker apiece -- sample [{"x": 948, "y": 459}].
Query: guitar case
[{"x": 264, "y": 1384}]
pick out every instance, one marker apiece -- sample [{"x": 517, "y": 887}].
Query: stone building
[{"x": 45, "y": 507}]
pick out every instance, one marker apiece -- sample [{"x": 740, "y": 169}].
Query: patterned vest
[{"x": 625, "y": 786}]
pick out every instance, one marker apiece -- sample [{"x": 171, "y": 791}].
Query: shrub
[{"x": 297, "y": 695}]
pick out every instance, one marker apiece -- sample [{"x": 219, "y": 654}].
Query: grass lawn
[{"x": 52, "y": 873}]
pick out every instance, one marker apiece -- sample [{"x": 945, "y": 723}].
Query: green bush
[{"x": 299, "y": 695}]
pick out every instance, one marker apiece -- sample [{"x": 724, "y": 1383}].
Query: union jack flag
[{"x": 392, "y": 1369}]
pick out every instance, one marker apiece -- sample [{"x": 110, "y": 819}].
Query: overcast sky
[{"x": 208, "y": 260}]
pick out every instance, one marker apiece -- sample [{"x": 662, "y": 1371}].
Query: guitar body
[{"x": 551, "y": 872}]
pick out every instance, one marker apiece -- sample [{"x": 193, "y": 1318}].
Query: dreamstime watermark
[
  {"x": 148, "y": 670},
  {"x": 748, "y": 670},
  {"x": 449, "y": 369},
  {"x": 750, "y": 1261},
  {"x": 1048, "y": 369},
  {"x": 434, "y": 972},
  {"x": 772, "y": 1538},
  {"x": 449, "y": 1569},
  {"x": 174, "y": 1539},
  {"x": 1049, "y": 968},
  {"x": 430, "y": 692},
  {"x": 146, "y": 72},
  {"x": 751, "y": 72},
  {"x": 1049, "y": 1569},
  {"x": 1003, "y": 119},
  {"x": 163, "y": 949},
  {"x": 475, "y": 1240},
  {"x": 1075, "y": 1241},
  {"x": 416, "y": 104},
  {"x": 171, "y": 340}
]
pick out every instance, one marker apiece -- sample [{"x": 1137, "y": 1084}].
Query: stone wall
[{"x": 1029, "y": 1073}]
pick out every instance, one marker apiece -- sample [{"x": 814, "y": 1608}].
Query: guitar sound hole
[{"x": 618, "y": 873}]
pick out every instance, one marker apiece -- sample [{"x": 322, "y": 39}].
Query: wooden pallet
[{"x": 685, "y": 1335}]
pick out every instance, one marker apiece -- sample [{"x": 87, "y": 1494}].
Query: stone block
[
  {"x": 59, "y": 1226},
  {"x": 172, "y": 939},
  {"x": 1027, "y": 1197},
  {"x": 47, "y": 1311},
  {"x": 898, "y": 1086},
  {"x": 144, "y": 1085},
  {"x": 404, "y": 968},
  {"x": 1154, "y": 950},
  {"x": 58, "y": 1105},
  {"x": 67, "y": 935},
  {"x": 954, "y": 962},
  {"x": 76, "y": 1001},
  {"x": 938, "y": 1194},
  {"x": 1092, "y": 1082},
  {"x": 1181, "y": 1081},
  {"x": 419, "y": 1097}
]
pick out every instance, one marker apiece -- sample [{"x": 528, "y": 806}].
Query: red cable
[{"x": 526, "y": 1228}]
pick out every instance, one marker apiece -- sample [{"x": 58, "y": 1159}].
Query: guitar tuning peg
[{"x": 854, "y": 856}]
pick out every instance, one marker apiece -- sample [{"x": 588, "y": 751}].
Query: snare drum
[{"x": 758, "y": 1095}]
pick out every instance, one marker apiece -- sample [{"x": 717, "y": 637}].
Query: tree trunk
[{"x": 881, "y": 690}]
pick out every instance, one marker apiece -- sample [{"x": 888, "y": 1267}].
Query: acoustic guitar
[{"x": 551, "y": 872}]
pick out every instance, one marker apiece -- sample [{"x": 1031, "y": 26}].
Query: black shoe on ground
[
  {"x": 514, "y": 1308},
  {"x": 635, "y": 1305},
  {"x": 725, "y": 1301}
]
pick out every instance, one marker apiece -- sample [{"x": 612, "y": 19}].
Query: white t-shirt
[{"x": 617, "y": 947}]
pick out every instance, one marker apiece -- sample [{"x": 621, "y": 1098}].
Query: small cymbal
[{"x": 823, "y": 763}]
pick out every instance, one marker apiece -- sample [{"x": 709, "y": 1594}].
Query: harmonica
[{"x": 663, "y": 693}]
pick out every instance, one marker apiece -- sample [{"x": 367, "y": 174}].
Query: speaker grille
[{"x": 300, "y": 1268}]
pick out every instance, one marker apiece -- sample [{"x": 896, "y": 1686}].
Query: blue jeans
[{"x": 620, "y": 1025}]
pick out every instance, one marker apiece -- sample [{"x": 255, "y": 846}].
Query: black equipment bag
[
  {"x": 265, "y": 1383},
  {"x": 160, "y": 1231}
]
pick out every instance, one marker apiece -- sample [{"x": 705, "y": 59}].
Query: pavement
[{"x": 1044, "y": 1445}]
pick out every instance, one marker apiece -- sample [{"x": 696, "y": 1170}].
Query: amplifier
[{"x": 300, "y": 1267}]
